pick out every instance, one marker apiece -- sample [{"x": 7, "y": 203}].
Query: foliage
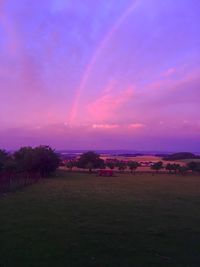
[
  {"x": 4, "y": 158},
  {"x": 133, "y": 165},
  {"x": 183, "y": 170},
  {"x": 42, "y": 159},
  {"x": 71, "y": 164},
  {"x": 194, "y": 166},
  {"x": 181, "y": 155},
  {"x": 157, "y": 166},
  {"x": 121, "y": 165},
  {"x": 172, "y": 167},
  {"x": 90, "y": 160},
  {"x": 110, "y": 165},
  {"x": 46, "y": 161},
  {"x": 26, "y": 166},
  {"x": 24, "y": 158},
  {"x": 169, "y": 167},
  {"x": 10, "y": 165}
]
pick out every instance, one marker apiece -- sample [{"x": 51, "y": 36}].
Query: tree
[
  {"x": 42, "y": 159},
  {"x": 90, "y": 160},
  {"x": 70, "y": 164},
  {"x": 7, "y": 166},
  {"x": 24, "y": 159},
  {"x": 121, "y": 165},
  {"x": 90, "y": 166},
  {"x": 133, "y": 165},
  {"x": 176, "y": 167},
  {"x": 169, "y": 167},
  {"x": 194, "y": 166},
  {"x": 183, "y": 170},
  {"x": 4, "y": 157},
  {"x": 181, "y": 155},
  {"x": 157, "y": 166},
  {"x": 110, "y": 165},
  {"x": 46, "y": 161}
]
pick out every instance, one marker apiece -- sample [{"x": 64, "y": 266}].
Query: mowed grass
[{"x": 81, "y": 220}]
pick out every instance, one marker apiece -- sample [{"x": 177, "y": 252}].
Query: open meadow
[{"x": 82, "y": 220}]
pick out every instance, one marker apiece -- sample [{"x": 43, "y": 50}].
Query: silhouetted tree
[
  {"x": 176, "y": 167},
  {"x": 24, "y": 158},
  {"x": 194, "y": 166},
  {"x": 181, "y": 155},
  {"x": 169, "y": 167},
  {"x": 90, "y": 160},
  {"x": 46, "y": 161},
  {"x": 110, "y": 165},
  {"x": 121, "y": 165},
  {"x": 71, "y": 164},
  {"x": 4, "y": 157},
  {"x": 157, "y": 166},
  {"x": 133, "y": 165},
  {"x": 42, "y": 159},
  {"x": 183, "y": 170}
]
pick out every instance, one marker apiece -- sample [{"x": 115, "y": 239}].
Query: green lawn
[{"x": 80, "y": 220}]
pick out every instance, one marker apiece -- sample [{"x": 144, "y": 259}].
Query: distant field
[
  {"x": 137, "y": 158},
  {"x": 189, "y": 160},
  {"x": 146, "y": 158},
  {"x": 81, "y": 220}
]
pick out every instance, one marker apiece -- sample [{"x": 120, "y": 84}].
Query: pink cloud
[
  {"x": 105, "y": 126},
  {"x": 105, "y": 107},
  {"x": 137, "y": 125},
  {"x": 10, "y": 30},
  {"x": 169, "y": 72},
  {"x": 170, "y": 83}
]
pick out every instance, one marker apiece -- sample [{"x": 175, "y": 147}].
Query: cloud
[
  {"x": 137, "y": 125},
  {"x": 61, "y": 137},
  {"x": 169, "y": 72},
  {"x": 106, "y": 107},
  {"x": 105, "y": 126},
  {"x": 163, "y": 93}
]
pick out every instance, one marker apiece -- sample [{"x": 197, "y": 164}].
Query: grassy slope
[{"x": 80, "y": 220}]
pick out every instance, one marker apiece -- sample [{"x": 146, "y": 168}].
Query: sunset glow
[{"x": 101, "y": 74}]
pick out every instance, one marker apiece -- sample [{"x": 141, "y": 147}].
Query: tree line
[
  {"x": 26, "y": 165},
  {"x": 180, "y": 156},
  {"x": 91, "y": 160}
]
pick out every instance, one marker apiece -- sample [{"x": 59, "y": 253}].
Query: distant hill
[
  {"x": 162, "y": 155},
  {"x": 181, "y": 155},
  {"x": 129, "y": 155}
]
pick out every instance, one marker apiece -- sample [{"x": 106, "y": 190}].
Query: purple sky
[{"x": 103, "y": 74}]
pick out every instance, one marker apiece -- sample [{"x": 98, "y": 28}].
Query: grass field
[{"x": 80, "y": 220}]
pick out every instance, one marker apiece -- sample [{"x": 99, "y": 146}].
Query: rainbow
[{"x": 96, "y": 55}]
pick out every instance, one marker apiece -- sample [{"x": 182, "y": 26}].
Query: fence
[{"x": 14, "y": 181}]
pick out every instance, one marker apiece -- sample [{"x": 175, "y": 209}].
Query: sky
[{"x": 100, "y": 74}]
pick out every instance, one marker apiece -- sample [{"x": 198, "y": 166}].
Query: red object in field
[{"x": 105, "y": 173}]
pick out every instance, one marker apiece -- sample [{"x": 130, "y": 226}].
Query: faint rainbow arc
[{"x": 91, "y": 64}]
